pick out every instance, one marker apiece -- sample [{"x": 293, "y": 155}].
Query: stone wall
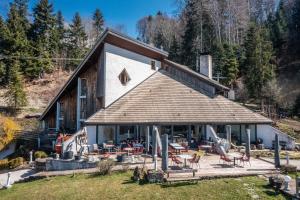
[{"x": 61, "y": 165}]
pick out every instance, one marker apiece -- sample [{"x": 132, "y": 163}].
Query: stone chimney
[{"x": 205, "y": 65}]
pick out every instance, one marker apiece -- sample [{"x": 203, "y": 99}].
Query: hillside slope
[{"x": 40, "y": 92}]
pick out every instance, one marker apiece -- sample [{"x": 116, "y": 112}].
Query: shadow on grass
[
  {"x": 180, "y": 184},
  {"x": 270, "y": 191}
]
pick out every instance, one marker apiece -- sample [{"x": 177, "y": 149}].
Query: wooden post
[
  {"x": 154, "y": 143},
  {"x": 277, "y": 158},
  {"x": 78, "y": 104},
  {"x": 189, "y": 134},
  {"x": 248, "y": 142},
  {"x": 165, "y": 158},
  {"x": 228, "y": 134},
  {"x": 197, "y": 133},
  {"x": 97, "y": 134},
  {"x": 147, "y": 139},
  {"x": 172, "y": 133},
  {"x": 57, "y": 115},
  {"x": 117, "y": 132}
]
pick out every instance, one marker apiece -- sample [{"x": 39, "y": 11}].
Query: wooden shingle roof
[{"x": 161, "y": 99}]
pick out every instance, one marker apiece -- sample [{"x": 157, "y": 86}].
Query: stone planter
[{"x": 155, "y": 176}]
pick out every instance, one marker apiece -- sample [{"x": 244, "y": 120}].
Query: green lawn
[{"x": 119, "y": 186}]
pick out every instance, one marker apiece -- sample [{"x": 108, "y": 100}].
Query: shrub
[
  {"x": 40, "y": 154},
  {"x": 13, "y": 163},
  {"x": 288, "y": 168},
  {"x": 4, "y": 164},
  {"x": 140, "y": 174},
  {"x": 105, "y": 167},
  {"x": 8, "y": 130}
]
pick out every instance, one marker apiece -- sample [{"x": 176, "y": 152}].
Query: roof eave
[{"x": 75, "y": 73}]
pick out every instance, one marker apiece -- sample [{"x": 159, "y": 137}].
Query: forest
[{"x": 254, "y": 44}]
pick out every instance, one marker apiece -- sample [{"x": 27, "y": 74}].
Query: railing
[{"x": 76, "y": 141}]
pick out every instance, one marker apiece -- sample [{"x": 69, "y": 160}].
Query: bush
[
  {"x": 4, "y": 164},
  {"x": 140, "y": 174},
  {"x": 40, "y": 154},
  {"x": 105, "y": 167},
  {"x": 8, "y": 128},
  {"x": 288, "y": 168},
  {"x": 16, "y": 162}
]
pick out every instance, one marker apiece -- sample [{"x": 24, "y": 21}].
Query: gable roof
[
  {"x": 110, "y": 35},
  {"x": 161, "y": 99}
]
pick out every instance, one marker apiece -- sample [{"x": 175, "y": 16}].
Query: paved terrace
[{"x": 210, "y": 167}]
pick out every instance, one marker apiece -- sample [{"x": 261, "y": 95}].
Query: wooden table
[
  {"x": 177, "y": 147},
  {"x": 128, "y": 149},
  {"x": 185, "y": 157}
]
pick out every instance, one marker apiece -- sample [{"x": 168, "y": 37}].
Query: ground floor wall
[{"x": 115, "y": 134}]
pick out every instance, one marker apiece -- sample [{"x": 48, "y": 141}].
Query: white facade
[
  {"x": 137, "y": 66},
  {"x": 267, "y": 133}
]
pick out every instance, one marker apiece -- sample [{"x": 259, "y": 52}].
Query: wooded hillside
[{"x": 255, "y": 45}]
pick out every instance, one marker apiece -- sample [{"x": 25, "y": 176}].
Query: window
[
  {"x": 124, "y": 77},
  {"x": 82, "y": 100},
  {"x": 83, "y": 91},
  {"x": 153, "y": 67}
]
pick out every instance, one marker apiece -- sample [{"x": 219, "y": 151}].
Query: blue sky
[{"x": 116, "y": 12}]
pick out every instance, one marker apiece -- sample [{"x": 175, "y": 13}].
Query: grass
[
  {"x": 270, "y": 154},
  {"x": 120, "y": 186}
]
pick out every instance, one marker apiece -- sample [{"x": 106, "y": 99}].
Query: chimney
[{"x": 206, "y": 65}]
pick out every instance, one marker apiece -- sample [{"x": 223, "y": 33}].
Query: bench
[{"x": 181, "y": 171}]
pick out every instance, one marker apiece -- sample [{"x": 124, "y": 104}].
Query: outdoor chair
[
  {"x": 195, "y": 160},
  {"x": 246, "y": 159},
  {"x": 225, "y": 159},
  {"x": 186, "y": 147},
  {"x": 176, "y": 160},
  {"x": 96, "y": 148}
]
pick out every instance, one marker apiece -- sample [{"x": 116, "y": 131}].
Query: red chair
[
  {"x": 186, "y": 147},
  {"x": 225, "y": 159},
  {"x": 244, "y": 159},
  {"x": 176, "y": 161},
  {"x": 195, "y": 160}
]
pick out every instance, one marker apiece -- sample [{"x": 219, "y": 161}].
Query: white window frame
[{"x": 79, "y": 97}]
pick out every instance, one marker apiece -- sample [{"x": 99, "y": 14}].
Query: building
[{"x": 123, "y": 87}]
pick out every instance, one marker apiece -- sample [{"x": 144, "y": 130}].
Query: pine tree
[
  {"x": 98, "y": 22},
  {"x": 77, "y": 41},
  {"x": 43, "y": 37},
  {"x": 16, "y": 40},
  {"x": 279, "y": 28},
  {"x": 174, "y": 52},
  {"x": 22, "y": 7},
  {"x": 197, "y": 34},
  {"x": 294, "y": 30},
  {"x": 189, "y": 52},
  {"x": 230, "y": 65},
  {"x": 258, "y": 57},
  {"x": 15, "y": 95}
]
